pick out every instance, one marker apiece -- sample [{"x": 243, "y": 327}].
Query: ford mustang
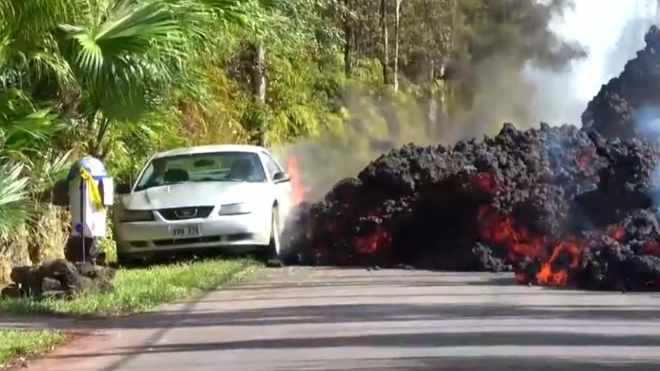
[{"x": 229, "y": 197}]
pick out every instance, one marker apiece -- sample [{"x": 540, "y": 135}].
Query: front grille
[{"x": 183, "y": 213}]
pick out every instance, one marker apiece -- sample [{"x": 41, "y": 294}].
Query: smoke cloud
[{"x": 503, "y": 91}]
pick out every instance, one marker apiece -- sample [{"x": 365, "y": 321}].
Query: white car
[{"x": 231, "y": 197}]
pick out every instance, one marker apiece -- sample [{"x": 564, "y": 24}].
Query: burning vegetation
[{"x": 561, "y": 206}]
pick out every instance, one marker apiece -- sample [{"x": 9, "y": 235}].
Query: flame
[
  {"x": 297, "y": 190},
  {"x": 552, "y": 273}
]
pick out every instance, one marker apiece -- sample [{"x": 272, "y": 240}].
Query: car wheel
[
  {"x": 125, "y": 262},
  {"x": 274, "y": 245},
  {"x": 131, "y": 261}
]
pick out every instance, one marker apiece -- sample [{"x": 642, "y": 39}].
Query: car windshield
[{"x": 203, "y": 167}]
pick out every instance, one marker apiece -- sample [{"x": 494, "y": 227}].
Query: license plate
[{"x": 186, "y": 231}]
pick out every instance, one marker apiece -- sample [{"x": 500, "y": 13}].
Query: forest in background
[{"x": 122, "y": 79}]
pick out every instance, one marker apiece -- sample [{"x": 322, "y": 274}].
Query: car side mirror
[
  {"x": 281, "y": 178},
  {"x": 123, "y": 189}
]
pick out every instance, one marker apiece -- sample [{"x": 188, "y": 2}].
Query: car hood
[{"x": 194, "y": 194}]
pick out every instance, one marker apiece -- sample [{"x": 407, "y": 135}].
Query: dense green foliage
[{"x": 120, "y": 79}]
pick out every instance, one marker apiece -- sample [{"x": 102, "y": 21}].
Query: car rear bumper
[{"x": 218, "y": 231}]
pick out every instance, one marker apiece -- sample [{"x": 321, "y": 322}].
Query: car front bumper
[{"x": 215, "y": 231}]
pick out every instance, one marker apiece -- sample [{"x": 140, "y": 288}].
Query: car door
[{"x": 283, "y": 190}]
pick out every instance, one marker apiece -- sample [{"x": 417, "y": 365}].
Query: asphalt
[{"x": 330, "y": 319}]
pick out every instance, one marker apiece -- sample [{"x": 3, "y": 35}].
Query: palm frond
[
  {"x": 26, "y": 128},
  {"x": 122, "y": 57},
  {"x": 12, "y": 208},
  {"x": 129, "y": 29},
  {"x": 28, "y": 49},
  {"x": 46, "y": 169}
]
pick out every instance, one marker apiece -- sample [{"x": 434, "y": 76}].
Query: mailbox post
[{"x": 90, "y": 192}]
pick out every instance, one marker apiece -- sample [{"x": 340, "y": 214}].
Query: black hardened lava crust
[{"x": 558, "y": 205}]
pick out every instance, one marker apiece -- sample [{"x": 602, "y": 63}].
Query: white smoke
[{"x": 612, "y": 31}]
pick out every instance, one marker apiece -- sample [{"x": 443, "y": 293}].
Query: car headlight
[
  {"x": 237, "y": 208},
  {"x": 136, "y": 216}
]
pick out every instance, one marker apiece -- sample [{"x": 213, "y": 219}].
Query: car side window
[{"x": 271, "y": 165}]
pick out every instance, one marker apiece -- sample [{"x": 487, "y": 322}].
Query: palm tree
[
  {"x": 71, "y": 69},
  {"x": 105, "y": 61}
]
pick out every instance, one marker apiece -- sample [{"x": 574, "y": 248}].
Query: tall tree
[
  {"x": 259, "y": 72},
  {"x": 386, "y": 42},
  {"x": 397, "y": 22}
]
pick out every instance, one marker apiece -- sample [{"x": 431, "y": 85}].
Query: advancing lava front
[{"x": 561, "y": 206}]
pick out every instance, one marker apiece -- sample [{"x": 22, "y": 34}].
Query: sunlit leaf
[{"x": 12, "y": 195}]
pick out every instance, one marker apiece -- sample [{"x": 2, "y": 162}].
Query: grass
[
  {"x": 23, "y": 343},
  {"x": 138, "y": 290}
]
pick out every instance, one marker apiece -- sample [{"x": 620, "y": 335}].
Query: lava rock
[
  {"x": 11, "y": 291},
  {"x": 624, "y": 106},
  {"x": 562, "y": 206},
  {"x": 59, "y": 278}
]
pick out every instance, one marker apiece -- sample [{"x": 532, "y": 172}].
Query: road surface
[{"x": 330, "y": 319}]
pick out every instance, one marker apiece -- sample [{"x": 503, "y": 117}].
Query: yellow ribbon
[{"x": 94, "y": 191}]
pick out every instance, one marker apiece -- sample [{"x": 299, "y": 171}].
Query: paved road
[{"x": 329, "y": 319}]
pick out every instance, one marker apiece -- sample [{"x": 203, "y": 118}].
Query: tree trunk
[
  {"x": 348, "y": 67},
  {"x": 348, "y": 39},
  {"x": 386, "y": 46},
  {"x": 259, "y": 73},
  {"x": 434, "y": 130},
  {"x": 446, "y": 93},
  {"x": 396, "y": 44}
]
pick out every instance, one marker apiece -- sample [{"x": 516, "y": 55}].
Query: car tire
[
  {"x": 124, "y": 261},
  {"x": 274, "y": 244}
]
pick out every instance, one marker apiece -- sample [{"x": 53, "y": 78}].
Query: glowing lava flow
[
  {"x": 554, "y": 261},
  {"x": 496, "y": 227}
]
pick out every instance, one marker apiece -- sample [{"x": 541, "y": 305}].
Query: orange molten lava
[
  {"x": 617, "y": 233},
  {"x": 652, "y": 248},
  {"x": 558, "y": 258},
  {"x": 297, "y": 190},
  {"x": 585, "y": 158},
  {"x": 484, "y": 181},
  {"x": 552, "y": 272},
  {"x": 497, "y": 227},
  {"x": 376, "y": 242}
]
